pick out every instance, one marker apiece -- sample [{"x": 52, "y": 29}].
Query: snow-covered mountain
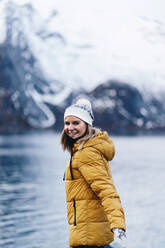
[
  {"x": 91, "y": 41},
  {"x": 50, "y": 52}
]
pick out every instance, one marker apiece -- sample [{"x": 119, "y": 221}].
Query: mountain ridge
[{"x": 36, "y": 99}]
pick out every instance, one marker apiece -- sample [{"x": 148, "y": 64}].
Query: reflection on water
[{"x": 32, "y": 206}]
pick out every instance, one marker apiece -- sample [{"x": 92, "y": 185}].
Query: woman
[{"x": 95, "y": 214}]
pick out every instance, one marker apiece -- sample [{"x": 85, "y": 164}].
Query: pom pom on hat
[
  {"x": 81, "y": 109},
  {"x": 84, "y": 103}
]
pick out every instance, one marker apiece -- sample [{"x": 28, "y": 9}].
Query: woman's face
[{"x": 74, "y": 127}]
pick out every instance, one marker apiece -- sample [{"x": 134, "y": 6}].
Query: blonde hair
[{"x": 67, "y": 145}]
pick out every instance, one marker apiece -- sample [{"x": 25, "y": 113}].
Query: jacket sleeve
[{"x": 93, "y": 169}]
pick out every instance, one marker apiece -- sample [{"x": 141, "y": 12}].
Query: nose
[{"x": 70, "y": 127}]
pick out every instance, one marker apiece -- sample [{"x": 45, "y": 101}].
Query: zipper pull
[{"x": 64, "y": 177}]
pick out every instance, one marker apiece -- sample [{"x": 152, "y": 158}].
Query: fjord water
[{"x": 32, "y": 191}]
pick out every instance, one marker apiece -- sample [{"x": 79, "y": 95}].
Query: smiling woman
[
  {"x": 95, "y": 214},
  {"x": 74, "y": 127}
]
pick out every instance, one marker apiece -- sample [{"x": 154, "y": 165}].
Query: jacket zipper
[
  {"x": 74, "y": 206},
  {"x": 70, "y": 165},
  {"x": 72, "y": 177}
]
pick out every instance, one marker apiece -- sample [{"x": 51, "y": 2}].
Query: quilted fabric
[{"x": 93, "y": 204}]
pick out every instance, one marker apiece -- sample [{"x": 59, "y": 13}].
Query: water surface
[{"x": 32, "y": 193}]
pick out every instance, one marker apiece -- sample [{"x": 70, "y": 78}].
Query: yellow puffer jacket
[{"x": 93, "y": 205}]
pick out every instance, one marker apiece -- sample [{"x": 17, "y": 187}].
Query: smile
[{"x": 70, "y": 132}]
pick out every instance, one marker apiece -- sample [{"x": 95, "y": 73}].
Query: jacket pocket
[{"x": 74, "y": 207}]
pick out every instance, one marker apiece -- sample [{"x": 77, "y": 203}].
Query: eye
[
  {"x": 66, "y": 123},
  {"x": 76, "y": 123}
]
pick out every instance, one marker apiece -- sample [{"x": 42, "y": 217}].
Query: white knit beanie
[{"x": 81, "y": 109}]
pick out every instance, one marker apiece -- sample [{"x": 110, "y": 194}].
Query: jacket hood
[{"x": 101, "y": 142}]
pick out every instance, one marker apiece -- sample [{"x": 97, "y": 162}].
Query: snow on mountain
[
  {"x": 53, "y": 49},
  {"x": 97, "y": 40}
]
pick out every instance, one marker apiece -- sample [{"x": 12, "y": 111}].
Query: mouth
[{"x": 72, "y": 133}]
